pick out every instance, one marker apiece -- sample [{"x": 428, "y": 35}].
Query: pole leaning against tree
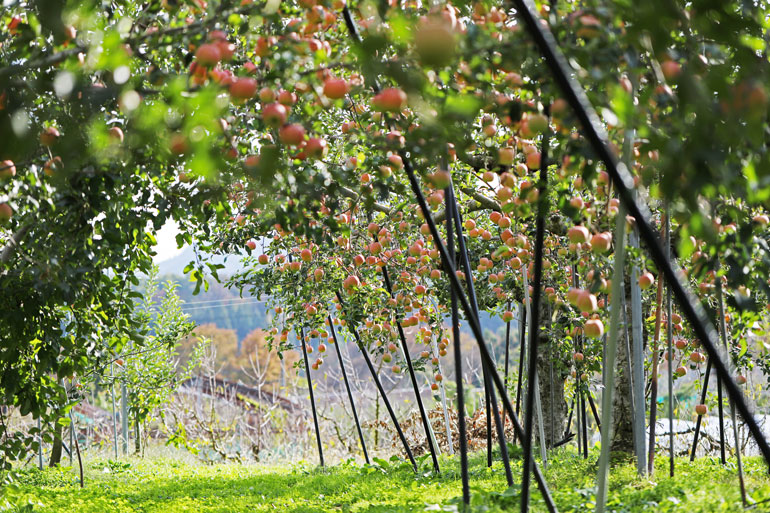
[
  {"x": 413, "y": 378},
  {"x": 700, "y": 416},
  {"x": 534, "y": 325},
  {"x": 458, "y": 363},
  {"x": 347, "y": 387},
  {"x": 312, "y": 396},
  {"x": 493, "y": 411},
  {"x": 352, "y": 329},
  {"x": 451, "y": 273},
  {"x": 597, "y": 137}
]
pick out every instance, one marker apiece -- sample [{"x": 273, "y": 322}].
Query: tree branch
[{"x": 10, "y": 248}]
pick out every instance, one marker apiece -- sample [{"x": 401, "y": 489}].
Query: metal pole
[
  {"x": 621, "y": 179},
  {"x": 312, "y": 396},
  {"x": 494, "y": 410},
  {"x": 458, "y": 365},
  {"x": 721, "y": 413},
  {"x": 124, "y": 416},
  {"x": 734, "y": 421},
  {"x": 700, "y": 417},
  {"x": 114, "y": 412},
  {"x": 415, "y": 386},
  {"x": 637, "y": 364},
  {"x": 351, "y": 328},
  {"x": 347, "y": 387},
  {"x": 451, "y": 274},
  {"x": 670, "y": 355},
  {"x": 40, "y": 444},
  {"x": 507, "y": 353},
  {"x": 609, "y": 363}
]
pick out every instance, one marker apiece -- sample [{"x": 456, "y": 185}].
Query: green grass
[{"x": 169, "y": 486}]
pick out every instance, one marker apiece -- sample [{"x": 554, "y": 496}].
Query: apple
[
  {"x": 586, "y": 301},
  {"x": 701, "y": 409},
  {"x": 593, "y": 328},
  {"x": 576, "y": 202},
  {"x": 292, "y": 134},
  {"x": 274, "y": 115},
  {"x": 322, "y": 348},
  {"x": 390, "y": 100},
  {"x": 438, "y": 377},
  {"x": 208, "y": 54},
  {"x": 287, "y": 98},
  {"x": 670, "y": 69},
  {"x": 434, "y": 386},
  {"x": 680, "y": 344},
  {"x": 306, "y": 255},
  {"x": 266, "y": 95},
  {"x": 601, "y": 242},
  {"x": 578, "y": 357},
  {"x": 351, "y": 282},
  {"x": 49, "y": 136},
  {"x": 507, "y": 316},
  {"x": 52, "y": 165},
  {"x": 646, "y": 280},
  {"x": 741, "y": 379},
  {"x": 533, "y": 160},
  {"x": 116, "y": 133},
  {"x": 538, "y": 123},
  {"x": 680, "y": 371},
  {"x": 243, "y": 88},
  {"x": 336, "y": 88},
  {"x": 6, "y": 212},
  {"x": 761, "y": 219},
  {"x": 7, "y": 169},
  {"x": 435, "y": 44},
  {"x": 263, "y": 259},
  {"x": 395, "y": 161},
  {"x": 696, "y": 357},
  {"x": 316, "y": 148},
  {"x": 578, "y": 234},
  {"x": 252, "y": 245}
]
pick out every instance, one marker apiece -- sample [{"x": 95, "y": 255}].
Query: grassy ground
[{"x": 170, "y": 486}]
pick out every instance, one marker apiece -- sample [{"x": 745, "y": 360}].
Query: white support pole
[{"x": 609, "y": 362}]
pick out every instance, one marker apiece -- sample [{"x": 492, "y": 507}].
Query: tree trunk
[
  {"x": 56, "y": 448},
  {"x": 622, "y": 405},
  {"x": 552, "y": 374}
]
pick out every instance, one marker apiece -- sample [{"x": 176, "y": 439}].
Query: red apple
[
  {"x": 316, "y": 148},
  {"x": 7, "y": 169},
  {"x": 578, "y": 234},
  {"x": 593, "y": 328},
  {"x": 274, "y": 115},
  {"x": 243, "y": 88},
  {"x": 646, "y": 280},
  {"x": 252, "y": 245},
  {"x": 601, "y": 242},
  {"x": 390, "y": 100},
  {"x": 292, "y": 134},
  {"x": 49, "y": 136},
  {"x": 701, "y": 409},
  {"x": 208, "y": 54},
  {"x": 263, "y": 259},
  {"x": 586, "y": 302},
  {"x": 336, "y": 88},
  {"x": 306, "y": 255},
  {"x": 578, "y": 357}
]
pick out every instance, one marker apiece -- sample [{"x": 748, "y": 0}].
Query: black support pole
[
  {"x": 507, "y": 354},
  {"x": 352, "y": 329},
  {"x": 493, "y": 410},
  {"x": 347, "y": 387},
  {"x": 721, "y": 413},
  {"x": 312, "y": 397},
  {"x": 700, "y": 417},
  {"x": 623, "y": 182},
  {"x": 534, "y": 330},
  {"x": 451, "y": 273},
  {"x": 413, "y": 377},
  {"x": 458, "y": 366}
]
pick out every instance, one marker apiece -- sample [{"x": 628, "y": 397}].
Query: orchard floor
[{"x": 170, "y": 486}]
